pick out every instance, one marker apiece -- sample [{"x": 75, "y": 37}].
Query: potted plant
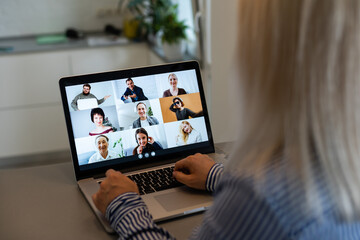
[
  {"x": 173, "y": 35},
  {"x": 149, "y": 14},
  {"x": 158, "y": 20}
]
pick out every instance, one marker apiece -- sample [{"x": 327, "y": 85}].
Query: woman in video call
[
  {"x": 97, "y": 116},
  {"x": 173, "y": 90},
  {"x": 187, "y": 134},
  {"x": 182, "y": 113},
  {"x": 145, "y": 143},
  {"x": 102, "y": 144}
]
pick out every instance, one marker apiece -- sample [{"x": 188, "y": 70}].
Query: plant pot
[
  {"x": 174, "y": 51},
  {"x": 131, "y": 27}
]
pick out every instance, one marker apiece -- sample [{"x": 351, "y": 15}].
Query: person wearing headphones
[
  {"x": 180, "y": 111},
  {"x": 145, "y": 143}
]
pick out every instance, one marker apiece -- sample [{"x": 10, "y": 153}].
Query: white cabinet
[
  {"x": 113, "y": 58},
  {"x": 32, "y": 119},
  {"x": 31, "y": 79}
]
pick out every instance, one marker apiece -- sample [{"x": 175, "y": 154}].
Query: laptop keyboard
[{"x": 156, "y": 180}]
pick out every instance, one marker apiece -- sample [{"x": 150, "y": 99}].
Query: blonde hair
[
  {"x": 300, "y": 76},
  {"x": 172, "y": 74},
  {"x": 184, "y": 135}
]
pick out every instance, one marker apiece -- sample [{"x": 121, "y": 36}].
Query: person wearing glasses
[
  {"x": 180, "y": 111},
  {"x": 86, "y": 95}
]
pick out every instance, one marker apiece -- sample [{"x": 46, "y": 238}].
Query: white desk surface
[{"x": 44, "y": 202}]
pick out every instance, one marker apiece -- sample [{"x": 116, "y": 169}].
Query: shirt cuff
[
  {"x": 214, "y": 176},
  {"x": 118, "y": 210},
  {"x": 130, "y": 218}
]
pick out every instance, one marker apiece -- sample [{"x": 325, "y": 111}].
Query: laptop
[{"x": 124, "y": 141}]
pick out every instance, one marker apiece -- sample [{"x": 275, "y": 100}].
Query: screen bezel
[{"x": 100, "y": 168}]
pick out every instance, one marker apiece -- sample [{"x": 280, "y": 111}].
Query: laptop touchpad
[{"x": 182, "y": 199}]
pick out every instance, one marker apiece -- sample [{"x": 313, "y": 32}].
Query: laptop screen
[{"x": 135, "y": 116}]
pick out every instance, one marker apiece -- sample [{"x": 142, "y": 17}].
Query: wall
[
  {"x": 24, "y": 17},
  {"x": 223, "y": 39}
]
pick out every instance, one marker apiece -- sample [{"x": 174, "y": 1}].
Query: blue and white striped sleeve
[
  {"x": 129, "y": 217},
  {"x": 213, "y": 177},
  {"x": 238, "y": 213}
]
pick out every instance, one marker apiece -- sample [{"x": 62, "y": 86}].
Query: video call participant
[
  {"x": 102, "y": 144},
  {"x": 187, "y": 134},
  {"x": 86, "y": 95},
  {"x": 134, "y": 92},
  {"x": 143, "y": 119},
  {"x": 173, "y": 90},
  {"x": 182, "y": 113},
  {"x": 145, "y": 143},
  {"x": 97, "y": 116}
]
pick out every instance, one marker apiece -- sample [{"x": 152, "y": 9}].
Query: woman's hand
[
  {"x": 151, "y": 140},
  {"x": 193, "y": 170},
  {"x": 114, "y": 184},
  {"x": 139, "y": 149}
]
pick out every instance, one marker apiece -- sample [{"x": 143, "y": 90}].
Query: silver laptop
[{"x": 140, "y": 130}]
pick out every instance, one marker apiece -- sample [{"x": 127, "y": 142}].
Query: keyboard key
[{"x": 156, "y": 180}]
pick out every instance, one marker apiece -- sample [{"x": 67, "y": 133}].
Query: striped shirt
[{"x": 275, "y": 211}]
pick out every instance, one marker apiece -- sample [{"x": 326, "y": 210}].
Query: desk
[{"x": 44, "y": 202}]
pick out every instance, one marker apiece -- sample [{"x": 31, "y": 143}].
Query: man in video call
[
  {"x": 86, "y": 95},
  {"x": 134, "y": 92},
  {"x": 143, "y": 120}
]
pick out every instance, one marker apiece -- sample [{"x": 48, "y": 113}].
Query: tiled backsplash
[{"x": 24, "y": 17}]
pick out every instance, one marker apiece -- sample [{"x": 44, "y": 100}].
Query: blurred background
[{"x": 44, "y": 40}]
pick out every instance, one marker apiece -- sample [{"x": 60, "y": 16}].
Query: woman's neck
[
  {"x": 104, "y": 154},
  {"x": 174, "y": 91},
  {"x": 100, "y": 127}
]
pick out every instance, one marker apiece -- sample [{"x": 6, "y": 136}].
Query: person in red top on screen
[{"x": 97, "y": 117}]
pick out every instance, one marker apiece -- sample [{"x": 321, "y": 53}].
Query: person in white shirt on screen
[
  {"x": 102, "y": 144},
  {"x": 187, "y": 134},
  {"x": 143, "y": 120}
]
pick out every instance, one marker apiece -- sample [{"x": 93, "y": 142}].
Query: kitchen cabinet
[
  {"x": 99, "y": 59},
  {"x": 31, "y": 113}
]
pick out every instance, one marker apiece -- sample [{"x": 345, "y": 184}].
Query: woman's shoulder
[
  {"x": 94, "y": 158},
  {"x": 107, "y": 130},
  {"x": 181, "y": 91},
  {"x": 167, "y": 93}
]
